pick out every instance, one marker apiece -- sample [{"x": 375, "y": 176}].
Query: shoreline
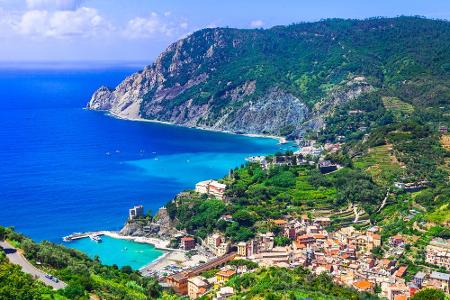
[
  {"x": 159, "y": 244},
  {"x": 169, "y": 255},
  {"x": 281, "y": 139}
]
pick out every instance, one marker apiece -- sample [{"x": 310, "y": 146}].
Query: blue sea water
[{"x": 64, "y": 169}]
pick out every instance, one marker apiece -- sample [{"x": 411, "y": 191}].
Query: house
[
  {"x": 400, "y": 271},
  {"x": 179, "y": 282},
  {"x": 224, "y": 293},
  {"x": 290, "y": 233},
  {"x": 197, "y": 286},
  {"x": 279, "y": 222},
  {"x": 187, "y": 243},
  {"x": 396, "y": 241},
  {"x": 136, "y": 212},
  {"x": 212, "y": 188},
  {"x": 323, "y": 221},
  {"x": 224, "y": 275},
  {"x": 306, "y": 239}
]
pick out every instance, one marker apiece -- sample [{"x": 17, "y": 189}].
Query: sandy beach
[{"x": 158, "y": 243}]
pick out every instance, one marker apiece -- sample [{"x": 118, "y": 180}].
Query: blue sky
[{"x": 138, "y": 30}]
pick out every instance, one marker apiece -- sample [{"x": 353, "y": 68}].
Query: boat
[{"x": 95, "y": 238}]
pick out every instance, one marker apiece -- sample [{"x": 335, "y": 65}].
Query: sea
[{"x": 65, "y": 169}]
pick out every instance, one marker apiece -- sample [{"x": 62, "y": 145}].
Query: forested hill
[{"x": 284, "y": 80}]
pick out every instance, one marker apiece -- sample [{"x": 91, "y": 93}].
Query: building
[
  {"x": 242, "y": 249},
  {"x": 179, "y": 282},
  {"x": 197, "y": 286},
  {"x": 212, "y": 188},
  {"x": 224, "y": 275},
  {"x": 136, "y": 212},
  {"x": 439, "y": 280},
  {"x": 327, "y": 166},
  {"x": 223, "y": 248},
  {"x": 438, "y": 253},
  {"x": 411, "y": 187},
  {"x": 187, "y": 243},
  {"x": 323, "y": 221},
  {"x": 419, "y": 278},
  {"x": 224, "y": 293},
  {"x": 396, "y": 241}
]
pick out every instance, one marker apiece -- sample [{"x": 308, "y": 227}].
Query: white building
[
  {"x": 212, "y": 188},
  {"x": 136, "y": 212}
]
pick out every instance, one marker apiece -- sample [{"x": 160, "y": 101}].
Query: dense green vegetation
[
  {"x": 14, "y": 284},
  {"x": 405, "y": 59},
  {"x": 83, "y": 275},
  {"x": 280, "y": 283},
  {"x": 256, "y": 196}
]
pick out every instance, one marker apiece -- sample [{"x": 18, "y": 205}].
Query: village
[{"x": 348, "y": 255}]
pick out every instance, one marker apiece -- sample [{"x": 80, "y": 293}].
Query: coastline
[
  {"x": 280, "y": 139},
  {"x": 159, "y": 244},
  {"x": 170, "y": 256}
]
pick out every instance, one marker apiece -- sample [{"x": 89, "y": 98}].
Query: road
[{"x": 18, "y": 259}]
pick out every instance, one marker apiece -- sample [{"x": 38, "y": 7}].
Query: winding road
[{"x": 18, "y": 259}]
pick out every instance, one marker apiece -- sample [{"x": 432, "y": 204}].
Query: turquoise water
[{"x": 117, "y": 251}]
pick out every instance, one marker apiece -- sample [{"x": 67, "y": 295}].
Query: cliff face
[
  {"x": 280, "y": 81},
  {"x": 161, "y": 227}
]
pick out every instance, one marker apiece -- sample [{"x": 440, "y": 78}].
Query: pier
[{"x": 81, "y": 235}]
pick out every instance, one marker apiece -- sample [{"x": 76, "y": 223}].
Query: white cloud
[
  {"x": 154, "y": 25},
  {"x": 256, "y": 23},
  {"x": 82, "y": 22},
  {"x": 53, "y": 4}
]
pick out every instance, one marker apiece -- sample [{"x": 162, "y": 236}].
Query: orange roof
[
  {"x": 304, "y": 236},
  {"x": 226, "y": 273},
  {"x": 300, "y": 245},
  {"x": 400, "y": 297},
  {"x": 279, "y": 222},
  {"x": 376, "y": 236},
  {"x": 187, "y": 238},
  {"x": 401, "y": 271},
  {"x": 319, "y": 236},
  {"x": 363, "y": 285}
]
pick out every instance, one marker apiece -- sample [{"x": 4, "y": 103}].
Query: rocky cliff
[
  {"x": 280, "y": 81},
  {"x": 161, "y": 226}
]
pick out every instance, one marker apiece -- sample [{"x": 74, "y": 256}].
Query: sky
[{"x": 138, "y": 30}]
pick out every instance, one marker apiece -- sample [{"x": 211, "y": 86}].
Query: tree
[
  {"x": 127, "y": 269},
  {"x": 2, "y": 233},
  {"x": 429, "y": 294}
]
